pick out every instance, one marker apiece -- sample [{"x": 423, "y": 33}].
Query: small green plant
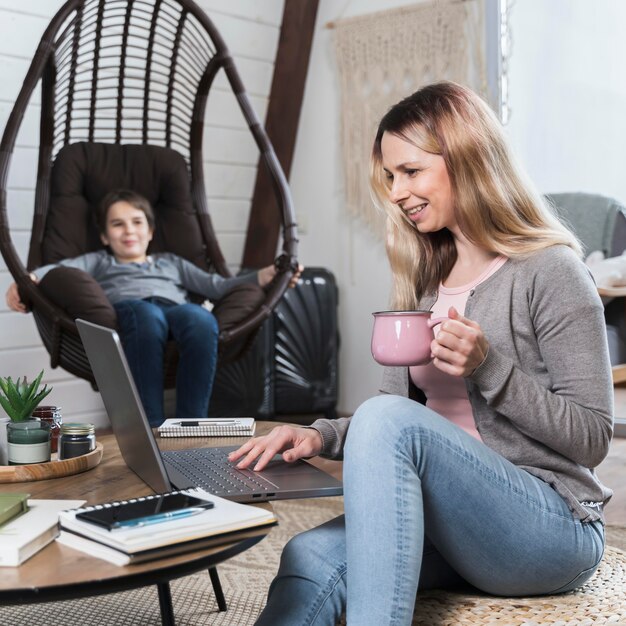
[{"x": 20, "y": 398}]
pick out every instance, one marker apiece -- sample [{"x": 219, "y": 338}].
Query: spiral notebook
[
  {"x": 208, "y": 427},
  {"x": 134, "y": 544}
]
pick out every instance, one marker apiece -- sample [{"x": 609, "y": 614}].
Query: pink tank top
[{"x": 446, "y": 394}]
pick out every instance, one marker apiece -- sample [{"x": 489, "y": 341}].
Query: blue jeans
[
  {"x": 427, "y": 506},
  {"x": 144, "y": 327}
]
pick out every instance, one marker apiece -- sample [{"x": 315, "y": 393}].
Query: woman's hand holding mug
[
  {"x": 406, "y": 338},
  {"x": 460, "y": 346}
]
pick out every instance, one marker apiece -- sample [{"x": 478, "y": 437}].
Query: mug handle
[{"x": 436, "y": 320}]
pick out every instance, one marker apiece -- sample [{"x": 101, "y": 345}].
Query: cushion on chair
[
  {"x": 237, "y": 304},
  {"x": 83, "y": 173},
  {"x": 79, "y": 295},
  {"x": 234, "y": 307}
]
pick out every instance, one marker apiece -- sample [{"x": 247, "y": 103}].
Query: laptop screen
[{"x": 121, "y": 400}]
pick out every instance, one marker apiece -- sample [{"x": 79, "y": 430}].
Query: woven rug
[{"x": 245, "y": 580}]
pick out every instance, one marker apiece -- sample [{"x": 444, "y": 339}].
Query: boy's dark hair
[{"x": 123, "y": 195}]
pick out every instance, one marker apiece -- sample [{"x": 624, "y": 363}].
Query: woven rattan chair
[
  {"x": 120, "y": 72},
  {"x": 114, "y": 73}
]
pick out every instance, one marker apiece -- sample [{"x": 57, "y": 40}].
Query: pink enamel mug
[{"x": 403, "y": 338}]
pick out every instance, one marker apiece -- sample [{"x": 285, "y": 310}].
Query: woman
[
  {"x": 150, "y": 294},
  {"x": 491, "y": 482}
]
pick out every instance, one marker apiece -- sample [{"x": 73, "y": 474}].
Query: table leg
[
  {"x": 165, "y": 602},
  {"x": 217, "y": 589}
]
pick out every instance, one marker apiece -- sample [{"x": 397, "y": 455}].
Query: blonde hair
[{"x": 495, "y": 207}]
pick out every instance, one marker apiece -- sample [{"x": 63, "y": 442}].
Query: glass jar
[
  {"x": 76, "y": 439},
  {"x": 51, "y": 415},
  {"x": 28, "y": 442}
]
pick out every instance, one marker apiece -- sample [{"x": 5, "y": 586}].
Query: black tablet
[{"x": 146, "y": 510}]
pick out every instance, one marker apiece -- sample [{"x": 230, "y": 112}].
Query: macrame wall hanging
[{"x": 385, "y": 56}]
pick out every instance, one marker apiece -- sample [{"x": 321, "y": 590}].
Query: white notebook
[
  {"x": 224, "y": 517},
  {"x": 208, "y": 427}
]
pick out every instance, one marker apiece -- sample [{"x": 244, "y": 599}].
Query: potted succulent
[{"x": 27, "y": 439}]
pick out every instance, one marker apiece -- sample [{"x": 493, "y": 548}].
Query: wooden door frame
[{"x": 281, "y": 124}]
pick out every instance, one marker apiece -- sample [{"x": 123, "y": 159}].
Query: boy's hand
[
  {"x": 13, "y": 300},
  {"x": 267, "y": 274}
]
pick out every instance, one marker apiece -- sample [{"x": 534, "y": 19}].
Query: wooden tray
[{"x": 53, "y": 469}]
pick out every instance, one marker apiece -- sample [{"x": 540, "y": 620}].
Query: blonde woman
[{"x": 487, "y": 480}]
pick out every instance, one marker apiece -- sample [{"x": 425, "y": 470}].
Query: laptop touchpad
[{"x": 277, "y": 467}]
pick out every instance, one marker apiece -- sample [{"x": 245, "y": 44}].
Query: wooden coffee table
[{"x": 60, "y": 573}]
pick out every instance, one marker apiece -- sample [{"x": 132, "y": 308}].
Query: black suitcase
[
  {"x": 245, "y": 388},
  {"x": 306, "y": 346},
  {"x": 292, "y": 367}
]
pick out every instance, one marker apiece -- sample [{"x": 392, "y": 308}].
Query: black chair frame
[{"x": 130, "y": 71}]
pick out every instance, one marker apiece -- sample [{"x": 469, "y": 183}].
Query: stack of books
[
  {"x": 12, "y": 505},
  {"x": 177, "y": 535},
  {"x": 32, "y": 530}
]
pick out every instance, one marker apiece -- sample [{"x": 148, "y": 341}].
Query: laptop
[{"x": 207, "y": 468}]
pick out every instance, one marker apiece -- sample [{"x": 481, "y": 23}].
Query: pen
[{"x": 161, "y": 517}]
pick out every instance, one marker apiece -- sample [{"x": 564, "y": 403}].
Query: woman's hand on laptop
[{"x": 294, "y": 442}]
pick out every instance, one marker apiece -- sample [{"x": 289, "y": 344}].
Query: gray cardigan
[{"x": 543, "y": 396}]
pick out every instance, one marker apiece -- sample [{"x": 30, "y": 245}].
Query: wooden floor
[{"x": 612, "y": 472}]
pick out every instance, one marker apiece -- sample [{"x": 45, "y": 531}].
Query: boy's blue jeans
[
  {"x": 427, "y": 506},
  {"x": 144, "y": 327}
]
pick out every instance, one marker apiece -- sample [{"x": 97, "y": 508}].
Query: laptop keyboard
[{"x": 210, "y": 469}]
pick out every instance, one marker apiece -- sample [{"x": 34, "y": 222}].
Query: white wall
[
  {"x": 568, "y": 94},
  {"x": 251, "y": 31},
  {"x": 332, "y": 239}
]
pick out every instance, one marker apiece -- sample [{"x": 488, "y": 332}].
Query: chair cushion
[
  {"x": 83, "y": 173},
  {"x": 234, "y": 307},
  {"x": 79, "y": 295},
  {"x": 237, "y": 304}
]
